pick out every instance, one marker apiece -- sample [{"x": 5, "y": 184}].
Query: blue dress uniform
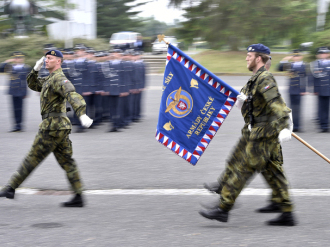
[
  {"x": 17, "y": 88},
  {"x": 297, "y": 84},
  {"x": 80, "y": 74},
  {"x": 113, "y": 89},
  {"x": 321, "y": 80},
  {"x": 118, "y": 65},
  {"x": 94, "y": 100},
  {"x": 135, "y": 90},
  {"x": 100, "y": 82},
  {"x": 129, "y": 83},
  {"x": 141, "y": 85}
]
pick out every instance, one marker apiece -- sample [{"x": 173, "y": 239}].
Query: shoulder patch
[{"x": 65, "y": 81}]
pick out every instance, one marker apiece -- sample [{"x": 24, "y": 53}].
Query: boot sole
[
  {"x": 73, "y": 206},
  {"x": 281, "y": 224},
  {"x": 9, "y": 196},
  {"x": 269, "y": 212}
]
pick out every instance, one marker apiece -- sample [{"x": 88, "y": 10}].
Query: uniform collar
[
  {"x": 260, "y": 70},
  {"x": 58, "y": 71}
]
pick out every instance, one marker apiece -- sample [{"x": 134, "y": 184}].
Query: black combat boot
[
  {"x": 285, "y": 219},
  {"x": 215, "y": 214},
  {"x": 273, "y": 207},
  {"x": 212, "y": 187},
  {"x": 76, "y": 201},
  {"x": 7, "y": 192}
]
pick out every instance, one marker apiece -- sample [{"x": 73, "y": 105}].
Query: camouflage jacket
[
  {"x": 269, "y": 111},
  {"x": 55, "y": 90}
]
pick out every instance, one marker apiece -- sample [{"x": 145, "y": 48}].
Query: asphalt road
[{"x": 139, "y": 193}]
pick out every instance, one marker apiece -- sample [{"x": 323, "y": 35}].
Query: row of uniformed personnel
[
  {"x": 110, "y": 82},
  {"x": 316, "y": 75}
]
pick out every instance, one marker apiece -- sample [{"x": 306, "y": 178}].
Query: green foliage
[
  {"x": 60, "y": 5},
  {"x": 321, "y": 38},
  {"x": 241, "y": 22},
  {"x": 151, "y": 27},
  {"x": 32, "y": 47},
  {"x": 115, "y": 16}
]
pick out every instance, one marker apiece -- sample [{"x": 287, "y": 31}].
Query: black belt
[
  {"x": 53, "y": 114},
  {"x": 262, "y": 119}
]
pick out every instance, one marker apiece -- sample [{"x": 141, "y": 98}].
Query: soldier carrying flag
[{"x": 267, "y": 125}]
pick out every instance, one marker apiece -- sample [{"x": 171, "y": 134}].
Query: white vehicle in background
[
  {"x": 124, "y": 40},
  {"x": 161, "y": 47}
]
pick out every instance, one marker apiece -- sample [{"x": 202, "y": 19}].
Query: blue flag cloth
[{"x": 193, "y": 107}]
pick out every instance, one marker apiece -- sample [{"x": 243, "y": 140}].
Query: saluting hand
[{"x": 39, "y": 64}]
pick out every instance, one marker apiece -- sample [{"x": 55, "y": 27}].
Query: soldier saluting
[
  {"x": 297, "y": 72},
  {"x": 18, "y": 71},
  {"x": 54, "y": 130}
]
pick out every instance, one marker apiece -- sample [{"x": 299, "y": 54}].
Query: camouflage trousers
[
  {"x": 44, "y": 143},
  {"x": 248, "y": 158}
]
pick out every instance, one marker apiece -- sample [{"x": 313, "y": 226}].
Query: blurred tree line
[
  {"x": 222, "y": 23},
  {"x": 119, "y": 15},
  {"x": 321, "y": 38},
  {"x": 236, "y": 23}
]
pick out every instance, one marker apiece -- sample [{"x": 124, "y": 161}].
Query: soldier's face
[
  {"x": 297, "y": 58},
  {"x": 52, "y": 62},
  {"x": 322, "y": 55},
  {"x": 251, "y": 60},
  {"x": 19, "y": 60}
]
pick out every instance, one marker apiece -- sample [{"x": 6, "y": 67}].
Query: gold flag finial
[{"x": 161, "y": 38}]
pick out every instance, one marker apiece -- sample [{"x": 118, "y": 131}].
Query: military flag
[{"x": 193, "y": 107}]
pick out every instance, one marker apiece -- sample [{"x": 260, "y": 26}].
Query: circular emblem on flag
[{"x": 179, "y": 103}]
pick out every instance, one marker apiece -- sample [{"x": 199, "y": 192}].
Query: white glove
[
  {"x": 249, "y": 127},
  {"x": 284, "y": 136},
  {"x": 85, "y": 121},
  {"x": 290, "y": 122},
  {"x": 39, "y": 64},
  {"x": 240, "y": 100}
]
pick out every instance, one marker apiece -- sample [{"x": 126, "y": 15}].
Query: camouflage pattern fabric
[
  {"x": 267, "y": 102},
  {"x": 249, "y": 157},
  {"x": 44, "y": 143},
  {"x": 55, "y": 90},
  {"x": 259, "y": 150}
]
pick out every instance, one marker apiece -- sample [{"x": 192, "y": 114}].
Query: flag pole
[{"x": 310, "y": 147}]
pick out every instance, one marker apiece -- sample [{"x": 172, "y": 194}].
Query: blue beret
[
  {"x": 258, "y": 48},
  {"x": 55, "y": 53}
]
